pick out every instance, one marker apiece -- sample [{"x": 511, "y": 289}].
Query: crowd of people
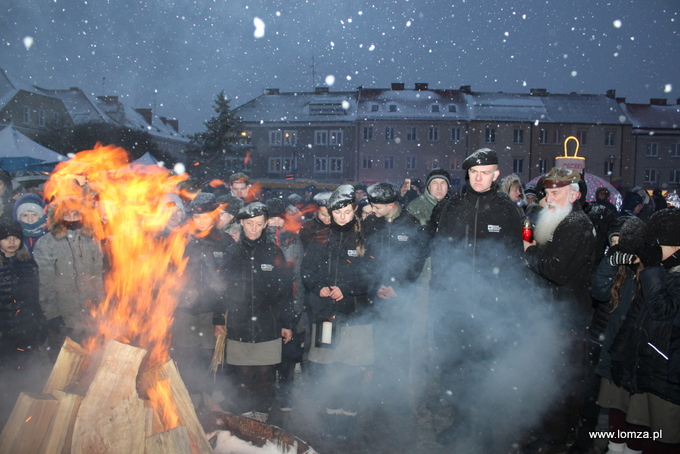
[{"x": 336, "y": 281}]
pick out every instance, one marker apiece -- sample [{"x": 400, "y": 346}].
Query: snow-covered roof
[
  {"x": 419, "y": 104},
  {"x": 135, "y": 120},
  {"x": 651, "y": 117},
  {"x": 588, "y": 109},
  {"x": 300, "y": 107},
  {"x": 10, "y": 86},
  {"x": 81, "y": 107},
  {"x": 506, "y": 107}
]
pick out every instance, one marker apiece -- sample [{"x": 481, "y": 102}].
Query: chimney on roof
[
  {"x": 538, "y": 92},
  {"x": 397, "y": 86},
  {"x": 658, "y": 101},
  {"x": 108, "y": 99},
  {"x": 465, "y": 89},
  {"x": 421, "y": 86},
  {"x": 611, "y": 94},
  {"x": 321, "y": 90},
  {"x": 147, "y": 114},
  {"x": 173, "y": 123},
  {"x": 621, "y": 100},
  {"x": 271, "y": 91}
]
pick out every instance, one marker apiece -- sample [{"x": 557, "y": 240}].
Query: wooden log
[
  {"x": 111, "y": 416},
  {"x": 60, "y": 433},
  {"x": 28, "y": 423},
  {"x": 173, "y": 441},
  {"x": 152, "y": 421},
  {"x": 68, "y": 368},
  {"x": 182, "y": 403}
]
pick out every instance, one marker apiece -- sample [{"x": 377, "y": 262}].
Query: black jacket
[
  {"x": 479, "y": 233},
  {"x": 335, "y": 261},
  {"x": 395, "y": 253},
  {"x": 565, "y": 264},
  {"x": 312, "y": 230},
  {"x": 259, "y": 292},
  {"x": 642, "y": 346},
  {"x": 22, "y": 321}
]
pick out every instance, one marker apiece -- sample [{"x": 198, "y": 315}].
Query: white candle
[{"x": 326, "y": 332}]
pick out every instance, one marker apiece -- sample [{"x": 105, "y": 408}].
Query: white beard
[{"x": 548, "y": 220}]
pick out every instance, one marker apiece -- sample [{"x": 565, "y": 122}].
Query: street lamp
[{"x": 612, "y": 158}]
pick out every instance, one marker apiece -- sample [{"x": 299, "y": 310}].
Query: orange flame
[
  {"x": 161, "y": 398},
  {"x": 123, "y": 208}
]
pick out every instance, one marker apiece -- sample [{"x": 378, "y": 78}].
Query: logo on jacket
[
  {"x": 267, "y": 267},
  {"x": 494, "y": 228},
  {"x": 402, "y": 237},
  {"x": 218, "y": 254},
  {"x": 352, "y": 253}
]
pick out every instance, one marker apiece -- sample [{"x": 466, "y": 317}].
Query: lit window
[{"x": 290, "y": 138}]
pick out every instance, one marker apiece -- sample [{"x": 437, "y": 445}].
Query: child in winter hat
[{"x": 29, "y": 211}]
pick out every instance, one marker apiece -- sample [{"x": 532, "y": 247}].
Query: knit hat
[
  {"x": 341, "y": 197},
  {"x": 438, "y": 173},
  {"x": 204, "y": 202},
  {"x": 322, "y": 197},
  {"x": 559, "y": 178},
  {"x": 383, "y": 193},
  {"x": 230, "y": 204},
  {"x": 310, "y": 188},
  {"x": 663, "y": 228},
  {"x": 530, "y": 189},
  {"x": 253, "y": 210},
  {"x": 294, "y": 199},
  {"x": 276, "y": 208},
  {"x": 360, "y": 187},
  {"x": 632, "y": 234},
  {"x": 11, "y": 228},
  {"x": 481, "y": 157}
]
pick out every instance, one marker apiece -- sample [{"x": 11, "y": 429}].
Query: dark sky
[{"x": 190, "y": 50}]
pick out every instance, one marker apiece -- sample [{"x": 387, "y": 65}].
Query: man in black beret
[{"x": 476, "y": 247}]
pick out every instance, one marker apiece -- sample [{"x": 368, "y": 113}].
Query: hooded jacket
[
  {"x": 32, "y": 233},
  {"x": 71, "y": 271}
]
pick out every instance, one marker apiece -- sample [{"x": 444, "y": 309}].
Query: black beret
[
  {"x": 383, "y": 193},
  {"x": 253, "y": 210},
  {"x": 341, "y": 197},
  {"x": 481, "y": 157},
  {"x": 204, "y": 202}
]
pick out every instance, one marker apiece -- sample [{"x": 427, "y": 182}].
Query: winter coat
[
  {"x": 601, "y": 290},
  {"x": 395, "y": 254},
  {"x": 205, "y": 270},
  {"x": 258, "y": 300},
  {"x": 71, "y": 273},
  {"x": 22, "y": 321},
  {"x": 642, "y": 347},
  {"x": 565, "y": 262},
  {"x": 481, "y": 232},
  {"x": 335, "y": 261}
]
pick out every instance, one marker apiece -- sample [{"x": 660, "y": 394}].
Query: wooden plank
[
  {"x": 111, "y": 416},
  {"x": 28, "y": 423},
  {"x": 181, "y": 402},
  {"x": 60, "y": 433},
  {"x": 152, "y": 421},
  {"x": 173, "y": 441},
  {"x": 68, "y": 368}
]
